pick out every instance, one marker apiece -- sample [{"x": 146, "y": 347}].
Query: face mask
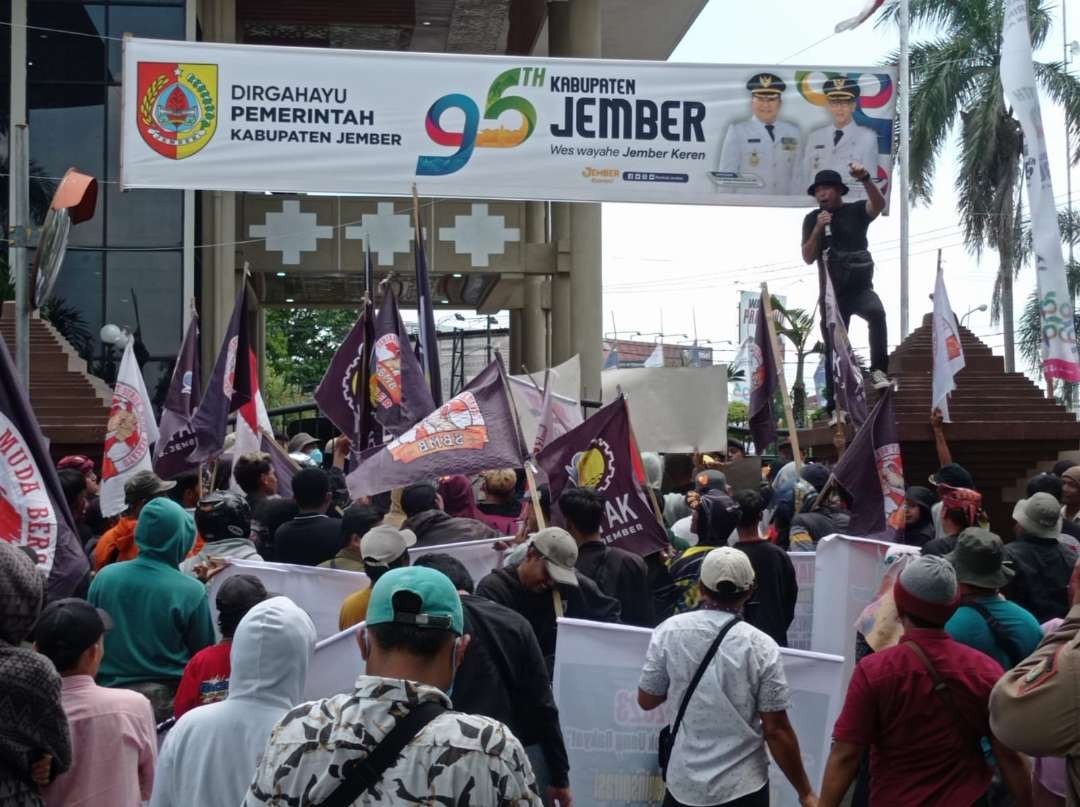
[
  {"x": 316, "y": 456},
  {"x": 453, "y": 667}
]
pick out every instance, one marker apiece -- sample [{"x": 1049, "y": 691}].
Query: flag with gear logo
[{"x": 601, "y": 454}]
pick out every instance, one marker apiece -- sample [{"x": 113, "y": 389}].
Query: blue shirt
[{"x": 969, "y": 627}]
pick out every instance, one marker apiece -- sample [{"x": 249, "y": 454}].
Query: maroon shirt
[{"x": 919, "y": 755}]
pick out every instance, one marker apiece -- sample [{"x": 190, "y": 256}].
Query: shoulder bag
[
  {"x": 1003, "y": 639},
  {"x": 667, "y": 733},
  {"x": 363, "y": 774}
]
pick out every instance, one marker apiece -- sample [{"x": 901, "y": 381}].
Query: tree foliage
[
  {"x": 299, "y": 345},
  {"x": 797, "y": 326}
]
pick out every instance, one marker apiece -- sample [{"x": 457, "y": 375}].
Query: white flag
[
  {"x": 657, "y": 357},
  {"x": 948, "y": 354},
  {"x": 130, "y": 432},
  {"x": 1060, "y": 359},
  {"x": 854, "y": 22}
]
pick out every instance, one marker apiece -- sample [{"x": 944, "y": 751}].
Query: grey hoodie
[{"x": 210, "y": 756}]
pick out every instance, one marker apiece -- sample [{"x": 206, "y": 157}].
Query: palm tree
[
  {"x": 797, "y": 326},
  {"x": 956, "y": 84}
]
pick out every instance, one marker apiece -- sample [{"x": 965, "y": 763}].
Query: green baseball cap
[{"x": 434, "y": 602}]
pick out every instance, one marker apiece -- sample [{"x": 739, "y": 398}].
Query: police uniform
[
  {"x": 831, "y": 149},
  {"x": 769, "y": 152}
]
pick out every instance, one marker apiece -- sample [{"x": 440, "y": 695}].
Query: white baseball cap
[
  {"x": 559, "y": 549},
  {"x": 382, "y": 545},
  {"x": 727, "y": 565}
]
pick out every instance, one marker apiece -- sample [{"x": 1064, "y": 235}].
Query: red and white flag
[
  {"x": 948, "y": 354},
  {"x": 854, "y": 22},
  {"x": 130, "y": 433},
  {"x": 251, "y": 420}
]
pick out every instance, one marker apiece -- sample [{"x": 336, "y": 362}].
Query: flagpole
[
  {"x": 534, "y": 495},
  {"x": 774, "y": 345},
  {"x": 905, "y": 161}
]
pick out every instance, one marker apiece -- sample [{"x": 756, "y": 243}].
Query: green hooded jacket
[{"x": 161, "y": 617}]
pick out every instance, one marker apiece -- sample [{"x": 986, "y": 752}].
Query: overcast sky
[{"x": 675, "y": 261}]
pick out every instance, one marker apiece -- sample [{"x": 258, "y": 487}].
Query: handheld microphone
[{"x": 828, "y": 231}]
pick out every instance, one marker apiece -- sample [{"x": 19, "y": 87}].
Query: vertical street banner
[
  {"x": 33, "y": 510},
  {"x": 1059, "y": 351},
  {"x": 611, "y": 741},
  {"x": 213, "y": 116}
]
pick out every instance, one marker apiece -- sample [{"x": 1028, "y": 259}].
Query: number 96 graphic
[{"x": 471, "y": 136}]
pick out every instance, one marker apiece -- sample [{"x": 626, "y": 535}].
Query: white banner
[
  {"x": 1059, "y": 353},
  {"x": 528, "y": 394},
  {"x": 213, "y": 116},
  {"x": 319, "y": 592},
  {"x": 674, "y": 409},
  {"x": 800, "y": 632},
  {"x": 335, "y": 665},
  {"x": 479, "y": 557},
  {"x": 612, "y": 742}
]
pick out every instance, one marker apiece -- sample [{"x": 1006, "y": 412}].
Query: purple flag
[
  {"x": 761, "y": 368},
  {"x": 175, "y": 437},
  {"x": 284, "y": 467},
  {"x": 33, "y": 510},
  {"x": 401, "y": 397},
  {"x": 428, "y": 337},
  {"x": 344, "y": 394},
  {"x": 474, "y": 431},
  {"x": 229, "y": 387},
  {"x": 599, "y": 454},
  {"x": 847, "y": 380},
  {"x": 871, "y": 471}
]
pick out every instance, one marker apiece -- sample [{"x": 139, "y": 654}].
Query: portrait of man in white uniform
[
  {"x": 762, "y": 152},
  {"x": 834, "y": 147}
]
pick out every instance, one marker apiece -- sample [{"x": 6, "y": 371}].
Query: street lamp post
[{"x": 972, "y": 311}]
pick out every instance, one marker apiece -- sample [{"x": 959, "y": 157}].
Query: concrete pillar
[
  {"x": 561, "y": 345},
  {"x": 218, "y": 19},
  {"x": 516, "y": 327},
  {"x": 574, "y": 29},
  {"x": 534, "y": 321}
]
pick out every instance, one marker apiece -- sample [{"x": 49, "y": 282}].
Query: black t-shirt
[
  {"x": 772, "y": 607},
  {"x": 622, "y": 575},
  {"x": 850, "y": 222},
  {"x": 308, "y": 540}
]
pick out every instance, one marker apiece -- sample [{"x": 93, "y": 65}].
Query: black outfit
[
  {"x": 503, "y": 676},
  {"x": 586, "y": 601},
  {"x": 940, "y": 546},
  {"x": 510, "y": 509},
  {"x": 434, "y": 527},
  {"x": 821, "y": 522},
  {"x": 772, "y": 607},
  {"x": 308, "y": 540},
  {"x": 852, "y": 271},
  {"x": 1043, "y": 567},
  {"x": 759, "y": 798},
  {"x": 622, "y": 575}
]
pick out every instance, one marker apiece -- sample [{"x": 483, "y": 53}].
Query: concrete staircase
[
  {"x": 1003, "y": 425},
  {"x": 71, "y": 405}
]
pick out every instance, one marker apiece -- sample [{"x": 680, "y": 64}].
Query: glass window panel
[
  {"x": 76, "y": 300},
  {"x": 155, "y": 22},
  {"x": 138, "y": 218},
  {"x": 156, "y": 278},
  {"x": 67, "y": 129},
  {"x": 76, "y": 56}
]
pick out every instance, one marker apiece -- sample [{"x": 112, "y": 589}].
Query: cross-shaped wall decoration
[
  {"x": 479, "y": 235},
  {"x": 290, "y": 232}
]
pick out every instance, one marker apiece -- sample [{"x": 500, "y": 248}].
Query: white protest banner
[
  {"x": 674, "y": 409},
  {"x": 335, "y": 665},
  {"x": 528, "y": 393},
  {"x": 479, "y": 557},
  {"x": 801, "y": 629},
  {"x": 318, "y": 591},
  {"x": 212, "y": 116},
  {"x": 847, "y": 578},
  {"x": 612, "y": 742}
]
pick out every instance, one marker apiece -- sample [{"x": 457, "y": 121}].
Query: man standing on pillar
[{"x": 835, "y": 236}]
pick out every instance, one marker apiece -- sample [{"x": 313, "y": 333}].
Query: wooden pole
[
  {"x": 637, "y": 447},
  {"x": 534, "y": 494},
  {"x": 774, "y": 344}
]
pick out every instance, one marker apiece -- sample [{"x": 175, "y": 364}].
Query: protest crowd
[{"x": 223, "y": 615}]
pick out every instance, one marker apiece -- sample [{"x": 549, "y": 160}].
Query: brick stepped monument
[
  {"x": 1003, "y": 426},
  {"x": 71, "y": 405}
]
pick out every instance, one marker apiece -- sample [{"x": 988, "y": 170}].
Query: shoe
[{"x": 879, "y": 379}]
